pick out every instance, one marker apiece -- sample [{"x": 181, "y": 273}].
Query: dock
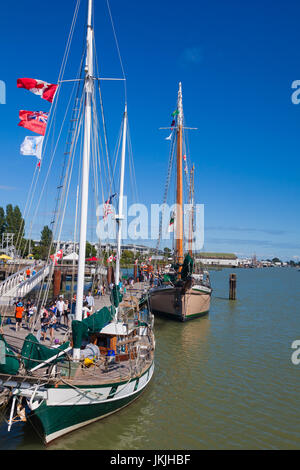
[{"x": 62, "y": 333}]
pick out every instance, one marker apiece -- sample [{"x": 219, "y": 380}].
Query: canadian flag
[
  {"x": 136, "y": 261},
  {"x": 149, "y": 259},
  {"x": 38, "y": 87},
  {"x": 56, "y": 256},
  {"x": 110, "y": 259}
]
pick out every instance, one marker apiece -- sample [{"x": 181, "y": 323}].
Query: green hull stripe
[
  {"x": 58, "y": 418},
  {"x": 179, "y": 317},
  {"x": 112, "y": 392}
]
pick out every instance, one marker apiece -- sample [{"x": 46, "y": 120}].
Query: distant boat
[{"x": 183, "y": 295}]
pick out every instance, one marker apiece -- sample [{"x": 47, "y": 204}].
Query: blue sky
[{"x": 236, "y": 61}]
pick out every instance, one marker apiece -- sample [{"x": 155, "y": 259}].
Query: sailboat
[
  {"x": 66, "y": 387},
  {"x": 183, "y": 294}
]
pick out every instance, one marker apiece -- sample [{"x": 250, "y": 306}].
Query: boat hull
[
  {"x": 67, "y": 409},
  {"x": 174, "y": 303}
]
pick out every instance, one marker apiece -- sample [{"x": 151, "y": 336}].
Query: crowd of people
[{"x": 57, "y": 315}]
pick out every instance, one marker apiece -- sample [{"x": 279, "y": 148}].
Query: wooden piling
[
  {"x": 232, "y": 287},
  {"x": 135, "y": 273},
  {"x": 56, "y": 282},
  {"x": 110, "y": 274}
]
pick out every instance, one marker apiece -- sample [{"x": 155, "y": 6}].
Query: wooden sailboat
[
  {"x": 108, "y": 359},
  {"x": 187, "y": 295}
]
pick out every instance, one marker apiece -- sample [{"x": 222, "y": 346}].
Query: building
[
  {"x": 217, "y": 259},
  {"x": 71, "y": 246}
]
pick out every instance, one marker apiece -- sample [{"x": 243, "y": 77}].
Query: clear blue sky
[{"x": 236, "y": 61}]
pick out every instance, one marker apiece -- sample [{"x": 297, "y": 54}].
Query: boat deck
[{"x": 78, "y": 374}]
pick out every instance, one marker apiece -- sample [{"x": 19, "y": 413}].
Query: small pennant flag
[
  {"x": 38, "y": 87},
  {"x": 171, "y": 223},
  {"x": 108, "y": 206},
  {"x": 170, "y": 136},
  {"x": 175, "y": 113},
  {"x": 32, "y": 145}
]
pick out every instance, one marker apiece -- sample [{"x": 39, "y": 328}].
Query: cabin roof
[{"x": 118, "y": 329}]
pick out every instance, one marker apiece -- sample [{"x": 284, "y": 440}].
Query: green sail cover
[
  {"x": 187, "y": 267},
  {"x": 116, "y": 296},
  {"x": 11, "y": 363},
  {"x": 33, "y": 352},
  {"x": 92, "y": 324}
]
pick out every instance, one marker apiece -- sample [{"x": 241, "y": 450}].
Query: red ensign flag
[{"x": 35, "y": 121}]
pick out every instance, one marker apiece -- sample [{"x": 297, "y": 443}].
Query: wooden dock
[{"x": 62, "y": 333}]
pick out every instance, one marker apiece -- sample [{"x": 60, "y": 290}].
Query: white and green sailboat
[{"x": 58, "y": 385}]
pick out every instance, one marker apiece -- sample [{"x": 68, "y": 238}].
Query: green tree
[
  {"x": 127, "y": 257},
  {"x": 90, "y": 250},
  {"x": 14, "y": 221},
  {"x": 2, "y": 221},
  {"x": 42, "y": 251}
]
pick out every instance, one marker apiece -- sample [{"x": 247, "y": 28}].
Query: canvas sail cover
[
  {"x": 92, "y": 324},
  {"x": 34, "y": 353},
  {"x": 116, "y": 296},
  {"x": 187, "y": 267},
  {"x": 9, "y": 363}
]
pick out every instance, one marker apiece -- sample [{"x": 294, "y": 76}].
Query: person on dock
[
  {"x": 52, "y": 326},
  {"x": 44, "y": 325},
  {"x": 86, "y": 310},
  {"x": 28, "y": 272},
  {"x": 19, "y": 314},
  {"x": 30, "y": 313},
  {"x": 60, "y": 310},
  {"x": 90, "y": 301},
  {"x": 66, "y": 313},
  {"x": 72, "y": 310}
]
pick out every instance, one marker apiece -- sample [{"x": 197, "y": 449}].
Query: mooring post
[
  {"x": 232, "y": 287},
  {"x": 135, "y": 273},
  {"x": 56, "y": 282}
]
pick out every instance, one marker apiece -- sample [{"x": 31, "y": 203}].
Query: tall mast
[
  {"x": 120, "y": 215},
  {"x": 179, "y": 198},
  {"x": 88, "y": 89}
]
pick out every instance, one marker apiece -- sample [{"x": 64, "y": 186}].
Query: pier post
[
  {"x": 56, "y": 282},
  {"x": 63, "y": 281},
  {"x": 110, "y": 275},
  {"x": 232, "y": 287},
  {"x": 135, "y": 273}
]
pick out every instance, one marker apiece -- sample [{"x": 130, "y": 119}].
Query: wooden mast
[{"x": 179, "y": 189}]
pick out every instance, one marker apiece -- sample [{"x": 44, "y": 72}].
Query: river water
[{"x": 224, "y": 381}]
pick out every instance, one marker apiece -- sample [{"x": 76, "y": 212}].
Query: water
[{"x": 225, "y": 381}]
